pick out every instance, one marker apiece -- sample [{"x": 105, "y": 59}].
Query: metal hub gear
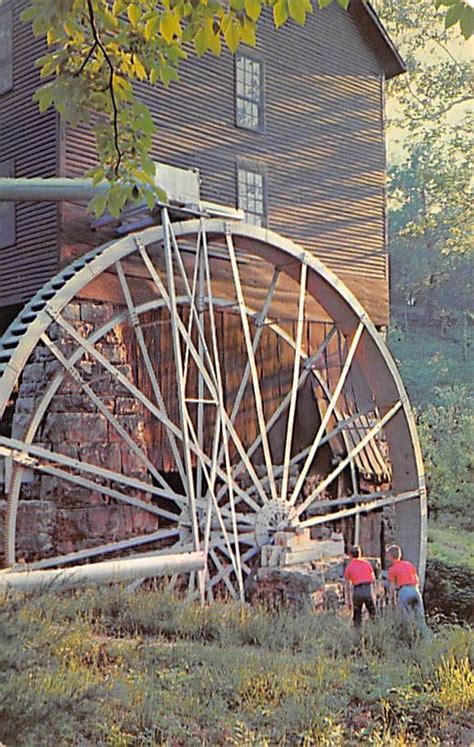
[{"x": 273, "y": 516}]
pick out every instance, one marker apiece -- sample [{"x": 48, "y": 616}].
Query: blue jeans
[{"x": 410, "y": 604}]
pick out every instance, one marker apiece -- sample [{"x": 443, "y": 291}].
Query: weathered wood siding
[
  {"x": 30, "y": 139},
  {"x": 323, "y": 144}
]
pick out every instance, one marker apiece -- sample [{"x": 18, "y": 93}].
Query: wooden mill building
[
  {"x": 300, "y": 119},
  {"x": 292, "y": 134}
]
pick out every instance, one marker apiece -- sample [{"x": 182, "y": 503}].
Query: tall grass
[{"x": 107, "y": 667}]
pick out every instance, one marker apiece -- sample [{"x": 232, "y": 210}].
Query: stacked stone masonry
[{"x": 56, "y": 516}]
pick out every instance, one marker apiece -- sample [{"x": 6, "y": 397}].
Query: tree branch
[
  {"x": 110, "y": 64},
  {"x": 84, "y": 63}
]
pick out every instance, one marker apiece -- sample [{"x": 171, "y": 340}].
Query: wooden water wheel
[{"x": 200, "y": 385}]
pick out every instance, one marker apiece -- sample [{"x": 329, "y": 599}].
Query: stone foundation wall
[
  {"x": 57, "y": 516},
  {"x": 44, "y": 528}
]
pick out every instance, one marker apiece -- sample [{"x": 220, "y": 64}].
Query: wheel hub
[{"x": 273, "y": 516}]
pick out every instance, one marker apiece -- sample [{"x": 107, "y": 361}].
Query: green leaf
[
  {"x": 119, "y": 6},
  {"x": 161, "y": 195},
  {"x": 214, "y": 42},
  {"x": 44, "y": 96},
  {"x": 344, "y": 3},
  {"x": 232, "y": 35},
  {"x": 139, "y": 68},
  {"x": 169, "y": 26},
  {"x": 151, "y": 27},
  {"x": 146, "y": 123},
  {"x": 453, "y": 15},
  {"x": 467, "y": 22},
  {"x": 280, "y": 13},
  {"x": 297, "y": 11},
  {"x": 115, "y": 199},
  {"x": 134, "y": 13},
  {"x": 253, "y": 8},
  {"x": 324, "y": 3},
  {"x": 29, "y": 14},
  {"x": 167, "y": 74},
  {"x": 99, "y": 175},
  {"x": 200, "y": 42},
  {"x": 97, "y": 204},
  {"x": 247, "y": 33},
  {"x": 69, "y": 28}
]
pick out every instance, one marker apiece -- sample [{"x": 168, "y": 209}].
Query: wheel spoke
[
  {"x": 209, "y": 383},
  {"x": 192, "y": 305},
  {"x": 110, "y": 547},
  {"x": 18, "y": 449},
  {"x": 367, "y": 506},
  {"x": 294, "y": 386},
  {"x": 327, "y": 415},
  {"x": 245, "y": 557},
  {"x": 181, "y": 391},
  {"x": 343, "y": 464},
  {"x": 35, "y": 464},
  {"x": 260, "y": 324},
  {"x": 127, "y": 384},
  {"x": 193, "y": 310},
  {"x": 253, "y": 366},
  {"x": 309, "y": 362},
  {"x": 149, "y": 368},
  {"x": 103, "y": 409},
  {"x": 225, "y": 442},
  {"x": 224, "y": 572},
  {"x": 297, "y": 458}
]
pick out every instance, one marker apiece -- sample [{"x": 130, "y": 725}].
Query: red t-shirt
[
  {"x": 403, "y": 573},
  {"x": 359, "y": 571}
]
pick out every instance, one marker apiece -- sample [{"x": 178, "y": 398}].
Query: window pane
[
  {"x": 250, "y": 185},
  {"x": 249, "y": 93}
]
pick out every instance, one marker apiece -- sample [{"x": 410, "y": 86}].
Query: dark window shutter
[
  {"x": 6, "y": 48},
  {"x": 7, "y": 210}
]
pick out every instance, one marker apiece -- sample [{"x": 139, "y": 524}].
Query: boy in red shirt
[
  {"x": 404, "y": 585},
  {"x": 359, "y": 575}
]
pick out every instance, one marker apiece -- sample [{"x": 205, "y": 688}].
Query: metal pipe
[
  {"x": 53, "y": 189},
  {"x": 62, "y": 189},
  {"x": 106, "y": 572}
]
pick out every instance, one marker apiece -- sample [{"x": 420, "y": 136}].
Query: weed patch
[{"x": 107, "y": 667}]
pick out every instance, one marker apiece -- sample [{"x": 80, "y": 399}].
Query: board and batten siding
[
  {"x": 322, "y": 147},
  {"x": 28, "y": 144}
]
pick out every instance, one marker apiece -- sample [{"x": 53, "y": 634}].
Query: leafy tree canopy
[
  {"x": 430, "y": 230},
  {"x": 429, "y": 196},
  {"x": 99, "y": 49}
]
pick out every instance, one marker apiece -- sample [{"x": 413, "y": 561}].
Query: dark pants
[{"x": 362, "y": 594}]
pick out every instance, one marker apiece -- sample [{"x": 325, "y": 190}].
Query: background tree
[{"x": 430, "y": 229}]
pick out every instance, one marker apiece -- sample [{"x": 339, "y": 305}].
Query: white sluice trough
[{"x": 107, "y": 572}]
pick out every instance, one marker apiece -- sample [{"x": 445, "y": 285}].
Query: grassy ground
[
  {"x": 450, "y": 545},
  {"x": 142, "y": 669}
]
